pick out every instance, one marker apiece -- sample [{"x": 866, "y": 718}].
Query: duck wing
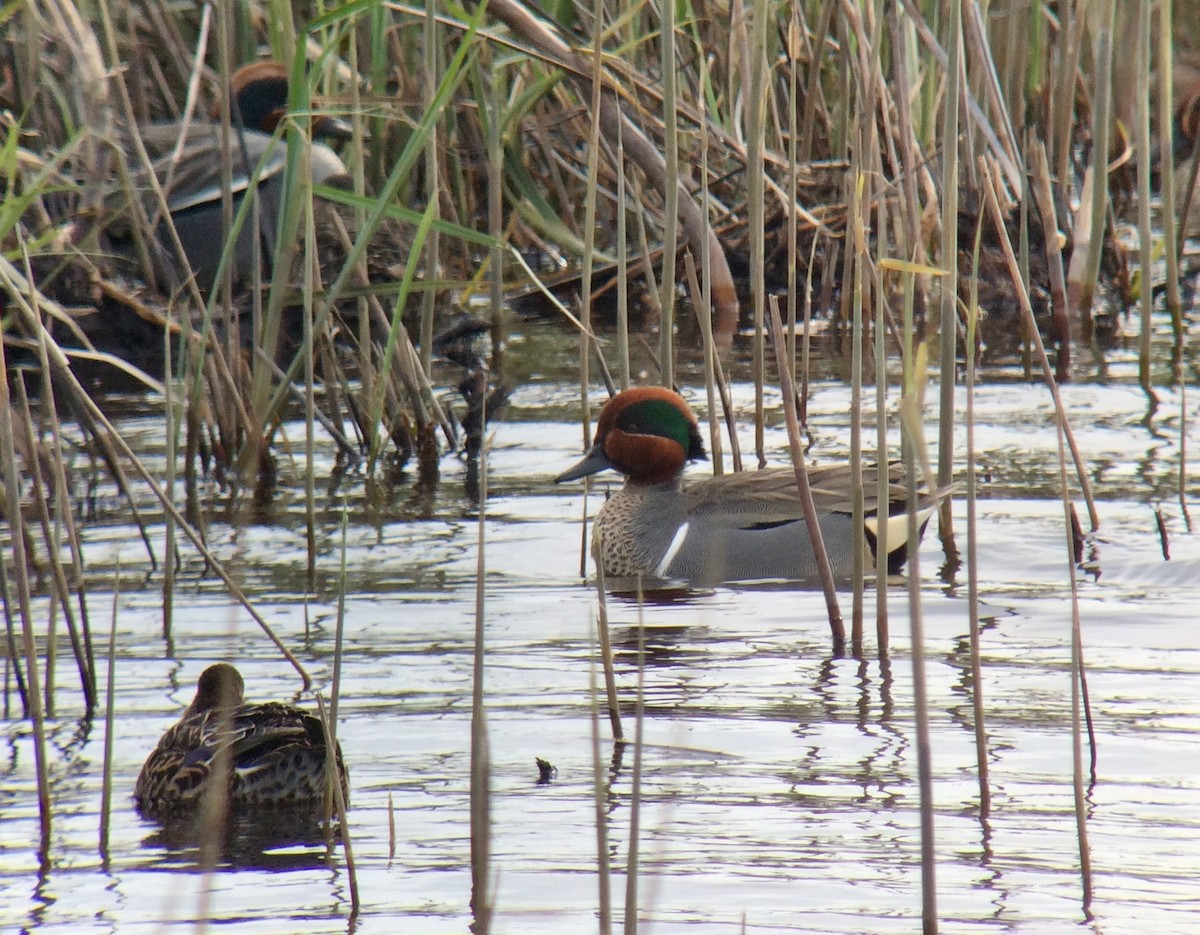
[
  {"x": 194, "y": 177},
  {"x": 279, "y": 756},
  {"x": 769, "y": 497},
  {"x": 259, "y": 731},
  {"x": 177, "y": 769},
  {"x": 271, "y": 754}
]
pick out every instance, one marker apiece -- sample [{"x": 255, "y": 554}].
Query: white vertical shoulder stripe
[{"x": 672, "y": 551}]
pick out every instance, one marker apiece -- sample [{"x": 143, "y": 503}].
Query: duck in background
[
  {"x": 1185, "y": 128},
  {"x": 734, "y": 527},
  {"x": 1186, "y": 98},
  {"x": 271, "y": 757},
  {"x": 192, "y": 182}
]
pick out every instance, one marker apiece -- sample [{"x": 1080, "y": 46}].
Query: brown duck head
[
  {"x": 260, "y": 93},
  {"x": 219, "y": 686},
  {"x": 648, "y": 434}
]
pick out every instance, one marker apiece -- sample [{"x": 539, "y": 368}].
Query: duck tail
[{"x": 928, "y": 502}]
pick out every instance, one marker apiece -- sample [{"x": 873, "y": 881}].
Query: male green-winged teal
[
  {"x": 193, "y": 182},
  {"x": 1186, "y": 125},
  {"x": 273, "y": 755},
  {"x": 733, "y": 527}
]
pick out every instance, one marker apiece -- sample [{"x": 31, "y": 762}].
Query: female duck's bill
[
  {"x": 733, "y": 527},
  {"x": 269, "y": 757}
]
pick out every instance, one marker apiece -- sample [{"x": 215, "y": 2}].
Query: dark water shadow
[
  {"x": 279, "y": 841},
  {"x": 663, "y": 646},
  {"x": 654, "y": 592}
]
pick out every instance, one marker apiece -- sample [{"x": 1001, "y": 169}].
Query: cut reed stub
[{"x": 547, "y": 771}]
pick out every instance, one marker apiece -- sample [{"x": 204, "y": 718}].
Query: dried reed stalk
[
  {"x": 837, "y": 628},
  {"x": 481, "y": 826}
]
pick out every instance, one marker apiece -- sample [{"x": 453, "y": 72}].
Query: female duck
[
  {"x": 732, "y": 527},
  {"x": 192, "y": 180},
  {"x": 270, "y": 756}
]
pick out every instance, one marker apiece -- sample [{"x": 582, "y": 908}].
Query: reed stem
[
  {"x": 837, "y": 629},
  {"x": 635, "y": 789},
  {"x": 600, "y": 800},
  {"x": 666, "y": 345},
  {"x": 481, "y": 822},
  {"x": 977, "y": 706},
  {"x": 110, "y": 715}
]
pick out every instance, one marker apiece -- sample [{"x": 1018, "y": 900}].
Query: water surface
[{"x": 778, "y": 786}]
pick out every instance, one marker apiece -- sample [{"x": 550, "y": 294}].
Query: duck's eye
[{"x": 629, "y": 423}]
